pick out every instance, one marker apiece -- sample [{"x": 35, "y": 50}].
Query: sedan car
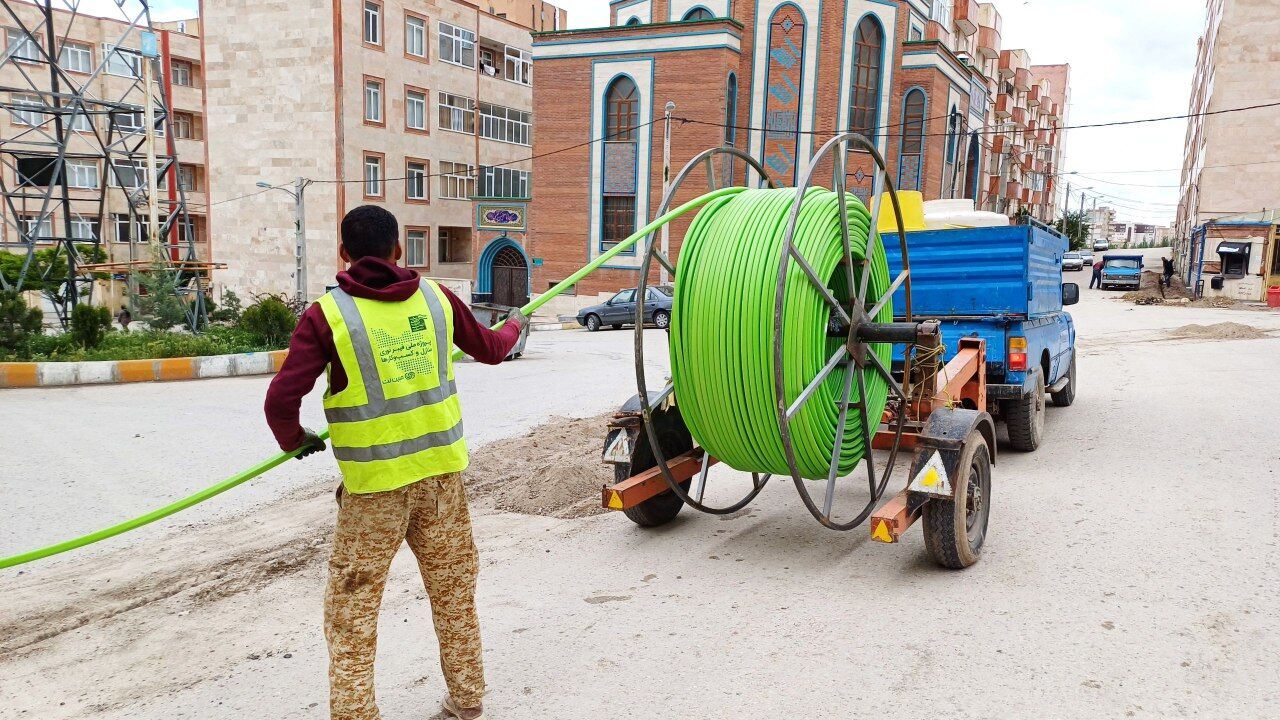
[
  {"x": 620, "y": 309},
  {"x": 1072, "y": 261},
  {"x": 1087, "y": 256}
]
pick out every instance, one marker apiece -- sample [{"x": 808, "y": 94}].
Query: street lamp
[{"x": 299, "y": 232}]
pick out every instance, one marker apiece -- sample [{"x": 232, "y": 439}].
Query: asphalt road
[{"x": 1130, "y": 570}]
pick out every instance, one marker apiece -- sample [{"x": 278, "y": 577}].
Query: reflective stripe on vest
[{"x": 384, "y": 443}]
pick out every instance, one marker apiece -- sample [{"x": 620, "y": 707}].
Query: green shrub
[
  {"x": 89, "y": 325},
  {"x": 18, "y": 324},
  {"x": 269, "y": 321},
  {"x": 160, "y": 306},
  {"x": 230, "y": 310}
]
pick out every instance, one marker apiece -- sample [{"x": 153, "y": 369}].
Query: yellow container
[{"x": 912, "y": 203}]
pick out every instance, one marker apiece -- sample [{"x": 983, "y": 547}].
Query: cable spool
[{"x": 780, "y": 333}]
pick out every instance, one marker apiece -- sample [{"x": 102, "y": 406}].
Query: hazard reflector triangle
[
  {"x": 881, "y": 532},
  {"x": 615, "y": 501}
]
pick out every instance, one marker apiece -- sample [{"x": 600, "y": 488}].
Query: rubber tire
[
  {"x": 1067, "y": 395},
  {"x": 659, "y": 509},
  {"x": 1025, "y": 416},
  {"x": 593, "y": 323},
  {"x": 662, "y": 320},
  {"x": 616, "y": 326},
  {"x": 945, "y": 521}
]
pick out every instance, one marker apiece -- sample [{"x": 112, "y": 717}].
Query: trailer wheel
[
  {"x": 955, "y": 530},
  {"x": 664, "y": 507},
  {"x": 1025, "y": 416},
  {"x": 1067, "y": 395}
]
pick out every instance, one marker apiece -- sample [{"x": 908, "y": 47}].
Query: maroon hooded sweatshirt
[{"x": 311, "y": 348}]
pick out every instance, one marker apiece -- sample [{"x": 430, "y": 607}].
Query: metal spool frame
[{"x": 854, "y": 353}]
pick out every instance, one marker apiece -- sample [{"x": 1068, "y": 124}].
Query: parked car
[
  {"x": 1072, "y": 261},
  {"x": 620, "y": 309},
  {"x": 1123, "y": 272},
  {"x": 1087, "y": 257}
]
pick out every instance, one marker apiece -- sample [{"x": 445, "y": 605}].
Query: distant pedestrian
[
  {"x": 1096, "y": 280},
  {"x": 124, "y": 317},
  {"x": 1168, "y": 270}
]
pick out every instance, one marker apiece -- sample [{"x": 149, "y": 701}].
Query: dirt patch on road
[
  {"x": 1218, "y": 331},
  {"x": 554, "y": 470},
  {"x": 1150, "y": 291}
]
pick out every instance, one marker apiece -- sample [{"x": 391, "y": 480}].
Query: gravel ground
[{"x": 1130, "y": 570}]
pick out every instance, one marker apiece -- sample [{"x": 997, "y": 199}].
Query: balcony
[
  {"x": 999, "y": 144},
  {"x": 1052, "y": 109},
  {"x": 1013, "y": 189},
  {"x": 994, "y": 185},
  {"x": 1034, "y": 96},
  {"x": 1006, "y": 67},
  {"x": 1019, "y": 116},
  {"x": 1004, "y": 106},
  {"x": 1022, "y": 79},
  {"x": 965, "y": 16},
  {"x": 988, "y": 42},
  {"x": 935, "y": 31},
  {"x": 1025, "y": 195}
]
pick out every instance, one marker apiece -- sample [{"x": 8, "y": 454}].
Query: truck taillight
[{"x": 1018, "y": 354}]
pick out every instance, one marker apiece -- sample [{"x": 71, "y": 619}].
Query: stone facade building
[
  {"x": 422, "y": 106},
  {"x": 1230, "y": 178},
  {"x": 953, "y": 113}
]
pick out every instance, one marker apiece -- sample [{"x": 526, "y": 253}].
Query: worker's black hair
[{"x": 370, "y": 231}]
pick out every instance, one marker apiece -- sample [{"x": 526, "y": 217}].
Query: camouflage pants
[{"x": 432, "y": 516}]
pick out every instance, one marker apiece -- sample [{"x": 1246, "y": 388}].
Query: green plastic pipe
[{"x": 270, "y": 463}]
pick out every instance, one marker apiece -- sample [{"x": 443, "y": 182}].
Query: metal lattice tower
[{"x": 62, "y": 121}]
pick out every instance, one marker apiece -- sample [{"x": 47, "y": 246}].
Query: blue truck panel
[
  {"x": 1015, "y": 270},
  {"x": 993, "y": 283}
]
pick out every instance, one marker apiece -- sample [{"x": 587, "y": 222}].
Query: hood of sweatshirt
[{"x": 377, "y": 279}]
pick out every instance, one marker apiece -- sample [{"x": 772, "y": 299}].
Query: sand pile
[
  {"x": 555, "y": 470},
  {"x": 1218, "y": 331},
  {"x": 1149, "y": 293}
]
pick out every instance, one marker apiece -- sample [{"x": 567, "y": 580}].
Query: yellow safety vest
[{"x": 398, "y": 420}]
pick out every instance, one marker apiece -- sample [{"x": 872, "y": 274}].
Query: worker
[
  {"x": 1168, "y": 270},
  {"x": 385, "y": 337},
  {"x": 1096, "y": 280}
]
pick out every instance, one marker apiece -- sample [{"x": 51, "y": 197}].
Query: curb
[
  {"x": 545, "y": 326},
  {"x": 62, "y": 374}
]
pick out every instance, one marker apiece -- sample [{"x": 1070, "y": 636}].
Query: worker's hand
[
  {"x": 311, "y": 443},
  {"x": 517, "y": 318}
]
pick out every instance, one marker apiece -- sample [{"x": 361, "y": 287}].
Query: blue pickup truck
[
  {"x": 1002, "y": 284},
  {"x": 1123, "y": 272}
]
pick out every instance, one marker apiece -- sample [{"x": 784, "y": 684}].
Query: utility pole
[
  {"x": 300, "y": 238},
  {"x": 666, "y": 185},
  {"x": 1089, "y": 235}
]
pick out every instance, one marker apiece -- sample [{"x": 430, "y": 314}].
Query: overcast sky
[{"x": 1129, "y": 59}]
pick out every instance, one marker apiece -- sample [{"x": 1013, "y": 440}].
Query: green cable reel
[{"x": 781, "y": 332}]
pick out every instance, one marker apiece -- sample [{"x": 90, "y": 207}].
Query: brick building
[
  {"x": 953, "y": 113},
  {"x": 422, "y": 106}
]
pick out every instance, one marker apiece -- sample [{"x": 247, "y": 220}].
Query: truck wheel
[
  {"x": 954, "y": 530},
  {"x": 1067, "y": 395},
  {"x": 1025, "y": 416}
]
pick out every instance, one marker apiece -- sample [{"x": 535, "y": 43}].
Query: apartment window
[
  {"x": 696, "y": 14},
  {"x": 415, "y": 110},
  {"x": 519, "y": 66},
  {"x": 129, "y": 123},
  {"x": 36, "y": 170},
  {"x": 131, "y": 174},
  {"x": 25, "y": 109},
  {"x": 457, "y": 46},
  {"x": 911, "y": 153},
  {"x": 76, "y": 57},
  {"x": 21, "y": 45},
  {"x": 916, "y": 33},
  {"x": 415, "y": 180},
  {"x": 187, "y": 178},
  {"x": 83, "y": 228},
  {"x": 865, "y": 100},
  {"x": 415, "y": 247},
  {"x": 80, "y": 121},
  {"x": 942, "y": 13},
  {"x": 127, "y": 228},
  {"x": 618, "y": 189},
  {"x": 415, "y": 36},
  {"x": 37, "y": 229},
  {"x": 373, "y": 176},
  {"x": 122, "y": 61},
  {"x": 372, "y": 23},
  {"x": 184, "y": 126},
  {"x": 373, "y": 101},
  {"x": 504, "y": 124},
  {"x": 180, "y": 73},
  {"x": 457, "y": 113},
  {"x": 457, "y": 181},
  {"x": 454, "y": 244},
  {"x": 731, "y": 110},
  {"x": 504, "y": 183},
  {"x": 619, "y": 219},
  {"x": 82, "y": 174}
]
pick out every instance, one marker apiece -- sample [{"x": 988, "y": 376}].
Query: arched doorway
[{"x": 503, "y": 274}]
